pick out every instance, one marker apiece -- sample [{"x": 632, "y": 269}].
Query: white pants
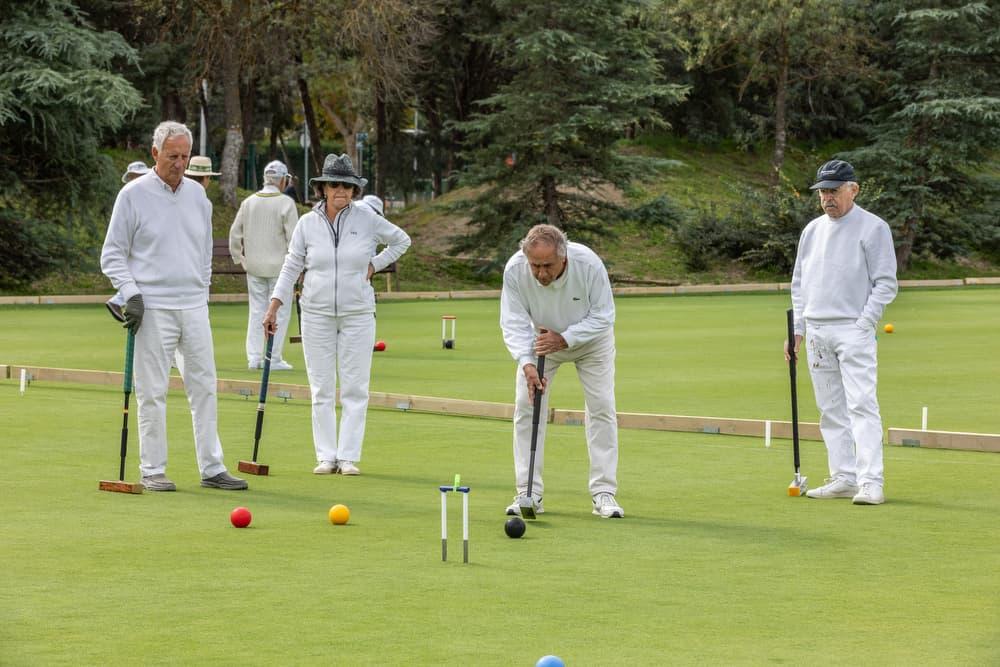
[
  {"x": 595, "y": 366},
  {"x": 843, "y": 366},
  {"x": 260, "y": 290},
  {"x": 161, "y": 333},
  {"x": 338, "y": 346}
]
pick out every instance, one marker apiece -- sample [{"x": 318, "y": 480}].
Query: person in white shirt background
[
  {"x": 844, "y": 277},
  {"x": 158, "y": 255},
  {"x": 556, "y": 301},
  {"x": 336, "y": 244},
  {"x": 258, "y": 241}
]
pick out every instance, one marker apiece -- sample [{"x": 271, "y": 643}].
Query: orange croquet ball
[
  {"x": 240, "y": 517},
  {"x": 339, "y": 514},
  {"x": 889, "y": 328}
]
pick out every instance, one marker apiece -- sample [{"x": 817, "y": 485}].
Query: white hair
[
  {"x": 546, "y": 235},
  {"x": 273, "y": 179},
  {"x": 167, "y": 129}
]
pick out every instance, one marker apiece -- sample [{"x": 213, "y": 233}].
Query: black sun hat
[
  {"x": 833, "y": 174},
  {"x": 338, "y": 169}
]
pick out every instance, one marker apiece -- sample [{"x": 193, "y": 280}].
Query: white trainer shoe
[
  {"x": 514, "y": 509},
  {"x": 325, "y": 468},
  {"x": 255, "y": 365},
  {"x": 834, "y": 488},
  {"x": 607, "y": 507},
  {"x": 281, "y": 365},
  {"x": 348, "y": 468},
  {"x": 870, "y": 494}
]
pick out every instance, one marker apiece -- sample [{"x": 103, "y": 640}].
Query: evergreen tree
[
  {"x": 542, "y": 148},
  {"x": 940, "y": 123}
]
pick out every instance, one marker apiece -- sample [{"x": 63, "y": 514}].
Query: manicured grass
[{"x": 713, "y": 563}]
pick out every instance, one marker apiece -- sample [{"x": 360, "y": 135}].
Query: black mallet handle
[
  {"x": 263, "y": 395},
  {"x": 537, "y": 408},
  {"x": 127, "y": 387},
  {"x": 791, "y": 375}
]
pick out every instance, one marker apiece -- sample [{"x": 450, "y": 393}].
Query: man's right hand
[
  {"x": 134, "y": 310},
  {"x": 798, "y": 345},
  {"x": 534, "y": 382}
]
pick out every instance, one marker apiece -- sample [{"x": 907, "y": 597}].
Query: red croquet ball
[
  {"x": 380, "y": 346},
  {"x": 240, "y": 517}
]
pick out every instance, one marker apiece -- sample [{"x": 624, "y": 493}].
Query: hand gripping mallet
[
  {"x": 798, "y": 486},
  {"x": 122, "y": 486},
  {"x": 526, "y": 504},
  {"x": 252, "y": 467}
]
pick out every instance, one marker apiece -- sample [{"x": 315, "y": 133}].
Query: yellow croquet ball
[
  {"x": 889, "y": 328},
  {"x": 339, "y": 514}
]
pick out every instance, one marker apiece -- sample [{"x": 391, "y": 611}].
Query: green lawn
[{"x": 713, "y": 563}]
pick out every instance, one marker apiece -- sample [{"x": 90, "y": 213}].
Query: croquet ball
[
  {"x": 514, "y": 527},
  {"x": 550, "y": 661},
  {"x": 449, "y": 344},
  {"x": 889, "y": 328},
  {"x": 240, "y": 517},
  {"x": 339, "y": 514},
  {"x": 380, "y": 346}
]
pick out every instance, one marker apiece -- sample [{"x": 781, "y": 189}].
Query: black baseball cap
[{"x": 833, "y": 174}]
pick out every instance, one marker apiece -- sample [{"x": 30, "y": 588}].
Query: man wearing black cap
[{"x": 845, "y": 276}]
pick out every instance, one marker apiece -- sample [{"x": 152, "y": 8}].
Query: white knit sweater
[{"x": 259, "y": 237}]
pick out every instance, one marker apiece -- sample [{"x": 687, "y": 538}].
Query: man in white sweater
[
  {"x": 845, "y": 276},
  {"x": 158, "y": 254},
  {"x": 258, "y": 241},
  {"x": 556, "y": 301}
]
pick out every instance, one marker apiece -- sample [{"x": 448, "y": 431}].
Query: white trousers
[
  {"x": 162, "y": 333},
  {"x": 260, "y": 290},
  {"x": 338, "y": 346},
  {"x": 595, "y": 366},
  {"x": 843, "y": 366}
]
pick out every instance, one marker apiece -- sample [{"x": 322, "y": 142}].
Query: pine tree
[
  {"x": 581, "y": 75},
  {"x": 940, "y": 122}
]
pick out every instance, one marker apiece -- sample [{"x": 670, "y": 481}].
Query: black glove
[{"x": 134, "y": 309}]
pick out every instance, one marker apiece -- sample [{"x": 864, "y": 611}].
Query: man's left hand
[{"x": 548, "y": 342}]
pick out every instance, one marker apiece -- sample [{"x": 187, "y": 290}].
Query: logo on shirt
[{"x": 576, "y": 298}]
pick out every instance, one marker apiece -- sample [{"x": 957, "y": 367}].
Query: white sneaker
[
  {"x": 607, "y": 507},
  {"x": 834, "y": 488},
  {"x": 514, "y": 509},
  {"x": 348, "y": 468},
  {"x": 255, "y": 365},
  {"x": 325, "y": 468},
  {"x": 281, "y": 365},
  {"x": 870, "y": 494}
]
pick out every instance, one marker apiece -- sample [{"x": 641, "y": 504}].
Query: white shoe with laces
[
  {"x": 514, "y": 509},
  {"x": 870, "y": 494},
  {"x": 348, "y": 468},
  {"x": 607, "y": 507},
  {"x": 281, "y": 365},
  {"x": 834, "y": 488},
  {"x": 325, "y": 468}
]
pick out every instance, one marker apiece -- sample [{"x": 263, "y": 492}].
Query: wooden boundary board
[
  {"x": 694, "y": 424},
  {"x": 978, "y": 442}
]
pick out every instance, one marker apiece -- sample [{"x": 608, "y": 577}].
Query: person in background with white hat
[
  {"x": 844, "y": 277},
  {"x": 336, "y": 244},
  {"x": 200, "y": 169},
  {"x": 258, "y": 241}
]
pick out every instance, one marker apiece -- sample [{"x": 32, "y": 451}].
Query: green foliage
[
  {"x": 31, "y": 248},
  {"x": 582, "y": 74}
]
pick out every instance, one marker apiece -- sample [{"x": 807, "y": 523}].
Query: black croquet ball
[
  {"x": 449, "y": 344},
  {"x": 514, "y": 527}
]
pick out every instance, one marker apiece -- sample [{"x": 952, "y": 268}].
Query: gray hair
[
  {"x": 274, "y": 179},
  {"x": 167, "y": 129},
  {"x": 547, "y": 235}
]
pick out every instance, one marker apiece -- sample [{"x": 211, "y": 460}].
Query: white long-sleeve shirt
[
  {"x": 259, "y": 237},
  {"x": 845, "y": 270},
  {"x": 578, "y": 304},
  {"x": 159, "y": 243},
  {"x": 335, "y": 255}
]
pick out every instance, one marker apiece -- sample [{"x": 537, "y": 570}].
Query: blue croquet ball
[
  {"x": 550, "y": 661},
  {"x": 514, "y": 527}
]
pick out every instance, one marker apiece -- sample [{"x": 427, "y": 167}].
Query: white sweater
[
  {"x": 578, "y": 304},
  {"x": 258, "y": 239},
  {"x": 335, "y": 257},
  {"x": 845, "y": 270},
  {"x": 159, "y": 243}
]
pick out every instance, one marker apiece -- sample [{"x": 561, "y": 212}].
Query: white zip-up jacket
[
  {"x": 335, "y": 256},
  {"x": 578, "y": 304},
  {"x": 159, "y": 243},
  {"x": 258, "y": 239},
  {"x": 845, "y": 271}
]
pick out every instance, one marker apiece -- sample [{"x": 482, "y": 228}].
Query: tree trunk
[
  {"x": 550, "y": 201},
  {"x": 315, "y": 160},
  {"x": 381, "y": 143},
  {"x": 780, "y": 114},
  {"x": 233, "y": 149},
  {"x": 908, "y": 235}
]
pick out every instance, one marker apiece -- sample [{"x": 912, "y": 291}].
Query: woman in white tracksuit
[{"x": 336, "y": 244}]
